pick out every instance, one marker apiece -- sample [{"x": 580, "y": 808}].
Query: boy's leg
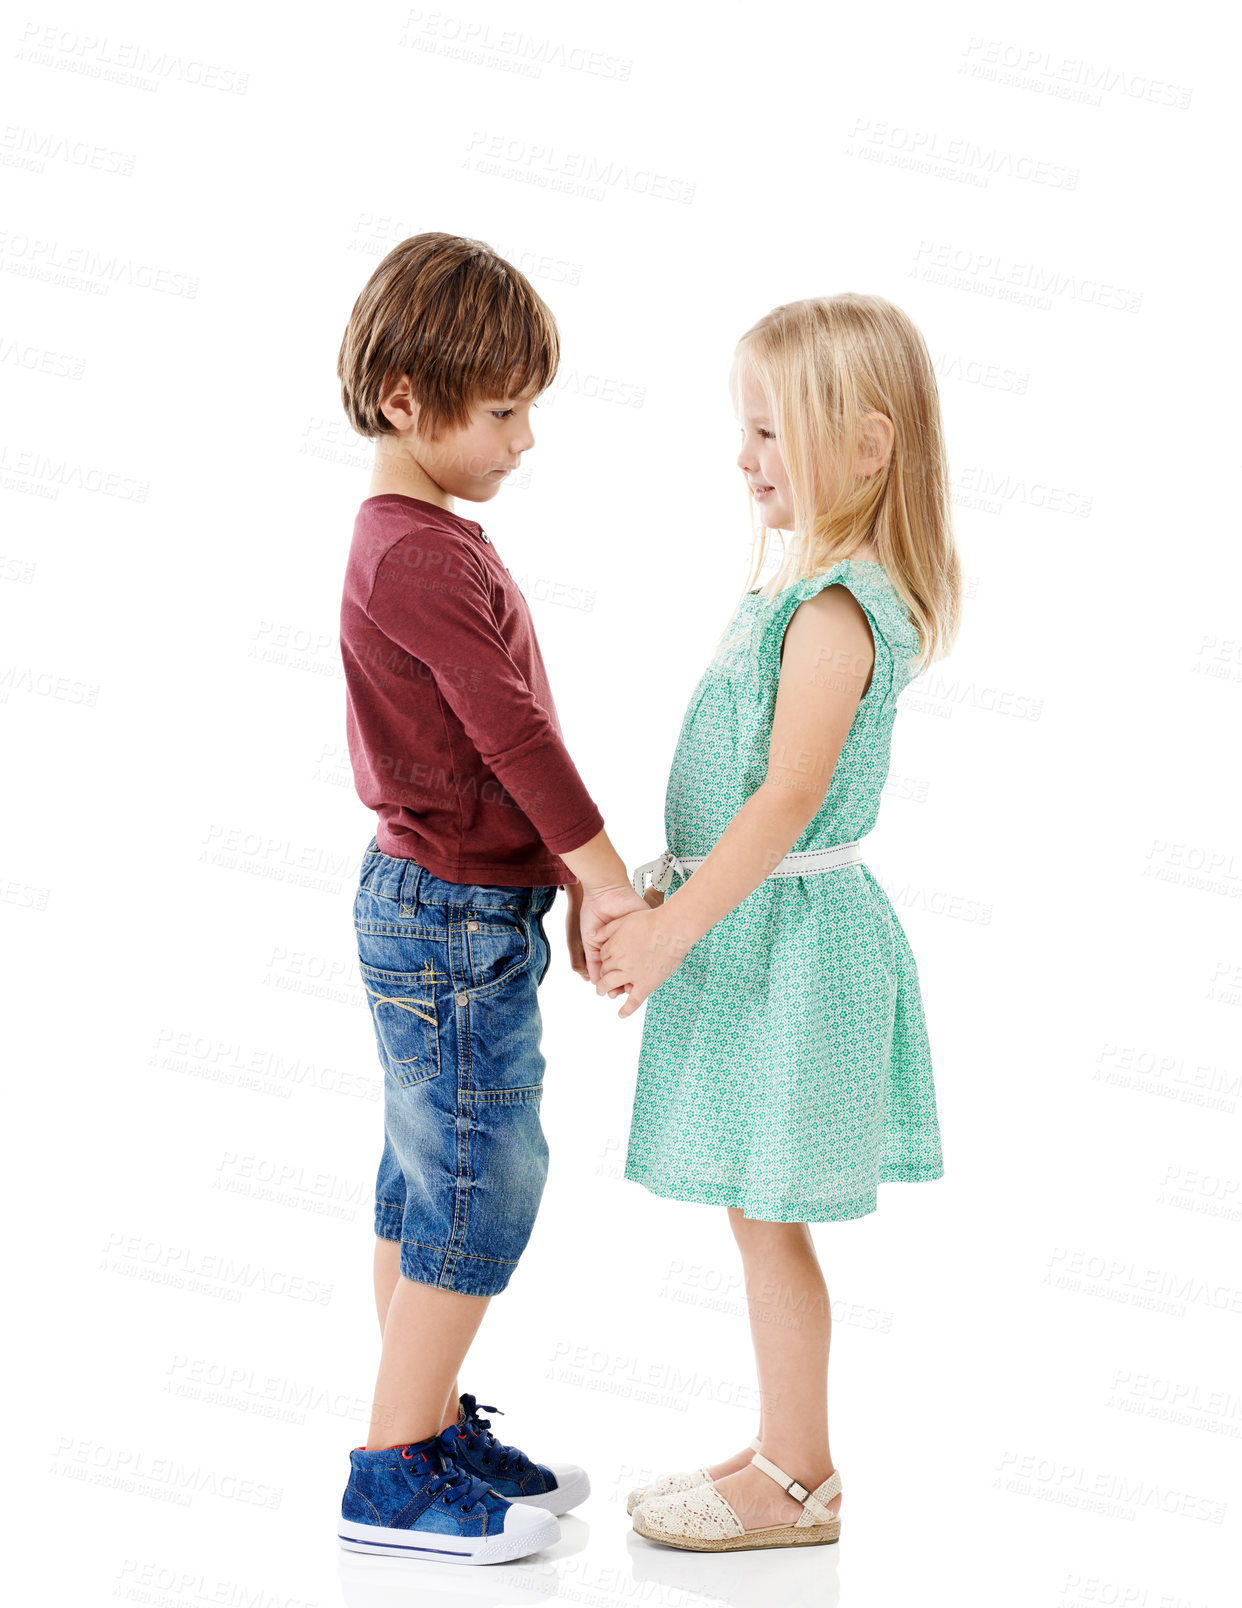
[
  {"x": 426, "y": 1336},
  {"x": 452, "y": 1406},
  {"x": 387, "y": 1270},
  {"x": 464, "y": 1156}
]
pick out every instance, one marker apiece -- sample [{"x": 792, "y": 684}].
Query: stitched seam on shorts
[
  {"x": 461, "y": 1196},
  {"x": 504, "y": 1096},
  {"x": 391, "y": 929},
  {"x": 500, "y": 1261},
  {"x": 465, "y": 1093}
]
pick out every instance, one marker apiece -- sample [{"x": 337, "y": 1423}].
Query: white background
[{"x": 1034, "y": 1390}]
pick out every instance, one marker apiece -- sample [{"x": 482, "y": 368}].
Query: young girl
[{"x": 785, "y": 1068}]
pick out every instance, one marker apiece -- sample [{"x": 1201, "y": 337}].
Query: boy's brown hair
[{"x": 463, "y": 323}]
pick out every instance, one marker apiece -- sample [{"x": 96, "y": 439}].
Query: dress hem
[{"x": 861, "y": 1206}]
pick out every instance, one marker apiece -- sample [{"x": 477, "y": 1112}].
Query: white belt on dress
[{"x": 803, "y": 863}]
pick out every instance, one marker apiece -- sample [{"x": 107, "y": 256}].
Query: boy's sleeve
[{"x": 447, "y": 622}]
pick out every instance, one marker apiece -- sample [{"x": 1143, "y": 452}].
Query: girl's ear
[{"x": 876, "y": 438}]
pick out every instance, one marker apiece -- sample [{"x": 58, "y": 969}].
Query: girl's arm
[{"x": 826, "y": 663}]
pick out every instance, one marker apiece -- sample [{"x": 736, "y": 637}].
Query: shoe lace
[
  {"x": 452, "y": 1482},
  {"x": 507, "y": 1459}
]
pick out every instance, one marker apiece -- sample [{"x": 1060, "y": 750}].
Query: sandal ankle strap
[
  {"x": 755, "y": 1444},
  {"x": 812, "y": 1501}
]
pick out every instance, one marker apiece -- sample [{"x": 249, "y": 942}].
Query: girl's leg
[{"x": 791, "y": 1327}]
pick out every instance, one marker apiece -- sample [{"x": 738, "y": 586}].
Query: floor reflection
[{"x": 775, "y": 1577}]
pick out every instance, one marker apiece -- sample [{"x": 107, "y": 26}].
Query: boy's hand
[
  {"x": 637, "y": 952},
  {"x": 573, "y": 931},
  {"x": 599, "y": 906}
]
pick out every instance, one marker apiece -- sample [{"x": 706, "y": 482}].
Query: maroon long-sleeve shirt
[{"x": 453, "y": 735}]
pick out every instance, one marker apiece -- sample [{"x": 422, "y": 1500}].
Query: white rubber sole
[
  {"x": 526, "y": 1530},
  {"x": 572, "y": 1487}
]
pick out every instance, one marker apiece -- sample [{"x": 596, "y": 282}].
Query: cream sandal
[
  {"x": 700, "y": 1520},
  {"x": 668, "y": 1483}
]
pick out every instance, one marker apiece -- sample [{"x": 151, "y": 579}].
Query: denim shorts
[{"x": 451, "y": 972}]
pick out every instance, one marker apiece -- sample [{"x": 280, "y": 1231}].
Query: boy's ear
[{"x": 398, "y": 404}]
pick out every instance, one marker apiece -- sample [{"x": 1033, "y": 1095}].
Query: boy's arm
[
  {"x": 606, "y": 893},
  {"x": 442, "y": 615},
  {"x": 573, "y": 931}
]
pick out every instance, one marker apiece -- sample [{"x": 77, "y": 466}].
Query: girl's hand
[{"x": 638, "y": 952}]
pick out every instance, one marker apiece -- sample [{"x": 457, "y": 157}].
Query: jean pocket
[
  {"x": 407, "y": 1024},
  {"x": 498, "y": 946},
  {"x": 547, "y": 959}
]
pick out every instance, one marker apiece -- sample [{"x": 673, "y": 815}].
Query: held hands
[
  {"x": 609, "y": 934},
  {"x": 637, "y": 952},
  {"x": 587, "y": 914},
  {"x": 600, "y": 906}
]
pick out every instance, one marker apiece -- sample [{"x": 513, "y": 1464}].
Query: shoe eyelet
[{"x": 404, "y": 1453}]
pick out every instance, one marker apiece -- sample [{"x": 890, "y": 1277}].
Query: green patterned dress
[{"x": 785, "y": 1066}]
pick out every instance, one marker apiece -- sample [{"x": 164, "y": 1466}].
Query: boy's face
[
  {"x": 760, "y": 457},
  {"x": 474, "y": 460}
]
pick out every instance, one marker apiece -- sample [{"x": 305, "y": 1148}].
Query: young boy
[{"x": 481, "y": 816}]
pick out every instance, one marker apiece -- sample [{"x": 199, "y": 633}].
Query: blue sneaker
[
  {"x": 555, "y": 1487},
  {"x": 416, "y": 1501}
]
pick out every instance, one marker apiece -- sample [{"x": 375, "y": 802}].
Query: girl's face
[{"x": 760, "y": 457}]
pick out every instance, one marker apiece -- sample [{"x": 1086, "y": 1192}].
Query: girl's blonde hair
[{"x": 823, "y": 364}]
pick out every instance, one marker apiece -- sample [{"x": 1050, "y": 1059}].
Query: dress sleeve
[
  {"x": 451, "y": 628},
  {"x": 838, "y": 575}
]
